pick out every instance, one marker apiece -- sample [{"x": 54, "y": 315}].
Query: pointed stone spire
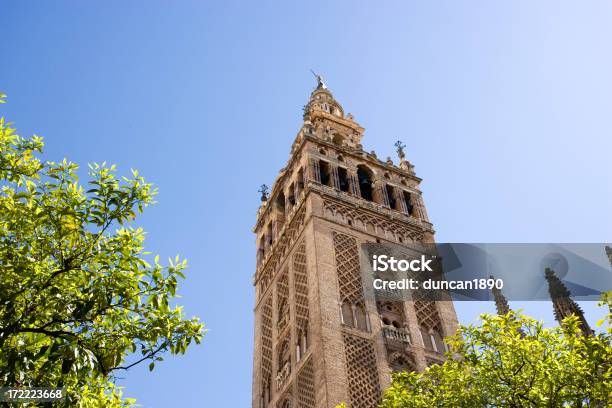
[
  {"x": 562, "y": 302},
  {"x": 501, "y": 303}
]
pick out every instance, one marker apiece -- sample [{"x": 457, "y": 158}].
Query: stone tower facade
[{"x": 318, "y": 340}]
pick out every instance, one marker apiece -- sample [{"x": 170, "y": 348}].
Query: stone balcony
[{"x": 394, "y": 334}]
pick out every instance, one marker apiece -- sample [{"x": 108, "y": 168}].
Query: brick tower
[{"x": 318, "y": 340}]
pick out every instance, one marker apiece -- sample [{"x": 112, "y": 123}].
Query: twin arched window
[{"x": 354, "y": 315}]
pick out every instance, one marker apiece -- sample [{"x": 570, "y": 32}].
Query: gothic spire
[
  {"x": 562, "y": 302},
  {"x": 501, "y": 303}
]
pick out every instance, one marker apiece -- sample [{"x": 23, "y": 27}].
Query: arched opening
[
  {"x": 270, "y": 235},
  {"x": 300, "y": 182},
  {"x": 343, "y": 179},
  {"x": 364, "y": 175},
  {"x": 325, "y": 173},
  {"x": 438, "y": 341},
  {"x": 284, "y": 362},
  {"x": 391, "y": 197},
  {"x": 291, "y": 196},
  {"x": 301, "y": 344},
  {"x": 280, "y": 202},
  {"x": 408, "y": 201},
  {"x": 427, "y": 343},
  {"x": 347, "y": 314},
  {"x": 261, "y": 252}
]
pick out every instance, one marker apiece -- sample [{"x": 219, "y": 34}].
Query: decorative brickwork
[
  {"x": 363, "y": 384},
  {"x": 347, "y": 264},
  {"x": 266, "y": 348},
  {"x": 282, "y": 300},
  {"x": 300, "y": 279},
  {"x": 306, "y": 386},
  {"x": 427, "y": 313}
]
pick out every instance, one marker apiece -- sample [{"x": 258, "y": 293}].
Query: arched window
[
  {"x": 438, "y": 341},
  {"x": 347, "y": 314},
  {"x": 364, "y": 175},
  {"x": 427, "y": 343},
  {"x": 391, "y": 197},
  {"x": 408, "y": 201},
  {"x": 261, "y": 253},
  {"x": 343, "y": 179},
  {"x": 291, "y": 196},
  {"x": 284, "y": 359},
  {"x": 301, "y": 344},
  {"x": 325, "y": 173},
  {"x": 270, "y": 235},
  {"x": 300, "y": 181},
  {"x": 280, "y": 202}
]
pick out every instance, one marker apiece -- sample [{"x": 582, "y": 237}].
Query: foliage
[
  {"x": 513, "y": 361},
  {"x": 78, "y": 300}
]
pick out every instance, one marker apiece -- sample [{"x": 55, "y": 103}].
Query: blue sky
[{"x": 504, "y": 107}]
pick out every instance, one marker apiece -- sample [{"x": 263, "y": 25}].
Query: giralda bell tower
[{"x": 319, "y": 340}]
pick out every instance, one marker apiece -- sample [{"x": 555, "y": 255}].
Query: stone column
[
  {"x": 353, "y": 182},
  {"x": 420, "y": 207},
  {"x": 334, "y": 176},
  {"x": 399, "y": 197},
  {"x": 315, "y": 173},
  {"x": 380, "y": 193}
]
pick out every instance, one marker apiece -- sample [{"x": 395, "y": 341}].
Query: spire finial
[
  {"x": 400, "y": 149},
  {"x": 264, "y": 192},
  {"x": 320, "y": 82}
]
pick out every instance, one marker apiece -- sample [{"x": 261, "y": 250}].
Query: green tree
[
  {"x": 79, "y": 302},
  {"x": 513, "y": 361}
]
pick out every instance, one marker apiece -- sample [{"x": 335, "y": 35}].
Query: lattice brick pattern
[
  {"x": 364, "y": 388},
  {"x": 282, "y": 299},
  {"x": 306, "y": 397},
  {"x": 301, "y": 286},
  {"x": 266, "y": 339},
  {"x": 347, "y": 264},
  {"x": 427, "y": 314}
]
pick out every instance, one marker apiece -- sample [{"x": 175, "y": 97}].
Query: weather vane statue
[
  {"x": 264, "y": 192},
  {"x": 400, "y": 149},
  {"x": 320, "y": 82}
]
